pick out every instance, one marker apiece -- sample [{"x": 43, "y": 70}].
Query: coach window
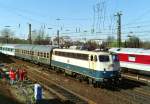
[
  {"x": 91, "y": 57},
  {"x": 47, "y": 55},
  {"x": 42, "y": 54},
  {"x": 32, "y": 52},
  {"x": 95, "y": 58},
  {"x": 38, "y": 54}
]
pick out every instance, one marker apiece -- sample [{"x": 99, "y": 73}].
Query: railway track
[
  {"x": 65, "y": 95},
  {"x": 136, "y": 77},
  {"x": 139, "y": 94},
  {"x": 136, "y": 95}
]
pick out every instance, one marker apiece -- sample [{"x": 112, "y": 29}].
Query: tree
[
  {"x": 7, "y": 35},
  {"x": 133, "y": 42},
  {"x": 146, "y": 44},
  {"x": 39, "y": 37},
  {"x": 111, "y": 41}
]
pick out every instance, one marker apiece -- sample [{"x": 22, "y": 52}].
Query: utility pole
[
  {"x": 58, "y": 38},
  {"x": 29, "y": 35},
  {"x": 118, "y": 15},
  {"x": 58, "y": 19}
]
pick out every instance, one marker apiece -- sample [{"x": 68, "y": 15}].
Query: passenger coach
[
  {"x": 134, "y": 59},
  {"x": 8, "y": 49}
]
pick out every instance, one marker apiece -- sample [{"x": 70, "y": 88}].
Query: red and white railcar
[{"x": 134, "y": 58}]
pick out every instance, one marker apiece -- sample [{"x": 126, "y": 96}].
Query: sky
[{"x": 77, "y": 17}]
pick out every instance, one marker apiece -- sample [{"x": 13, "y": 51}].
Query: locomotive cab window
[
  {"x": 103, "y": 58},
  {"x": 115, "y": 58}
]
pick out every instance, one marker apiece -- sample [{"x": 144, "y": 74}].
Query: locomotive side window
[
  {"x": 95, "y": 58},
  {"x": 103, "y": 58},
  {"x": 72, "y": 55},
  {"x": 91, "y": 58}
]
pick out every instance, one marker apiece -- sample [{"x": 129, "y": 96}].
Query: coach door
[{"x": 92, "y": 61}]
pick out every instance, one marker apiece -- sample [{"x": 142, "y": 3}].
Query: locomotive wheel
[{"x": 95, "y": 84}]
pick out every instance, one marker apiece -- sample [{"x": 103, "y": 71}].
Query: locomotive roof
[
  {"x": 140, "y": 51},
  {"x": 81, "y": 51}
]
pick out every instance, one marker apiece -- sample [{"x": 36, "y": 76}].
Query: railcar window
[
  {"x": 95, "y": 58},
  {"x": 61, "y": 53},
  {"x": 103, "y": 58},
  {"x": 131, "y": 58},
  {"x": 91, "y": 58},
  {"x": 47, "y": 55},
  {"x": 115, "y": 58},
  {"x": 72, "y": 55},
  {"x": 84, "y": 56},
  {"x": 32, "y": 52},
  {"x": 56, "y": 53},
  {"x": 42, "y": 54}
]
